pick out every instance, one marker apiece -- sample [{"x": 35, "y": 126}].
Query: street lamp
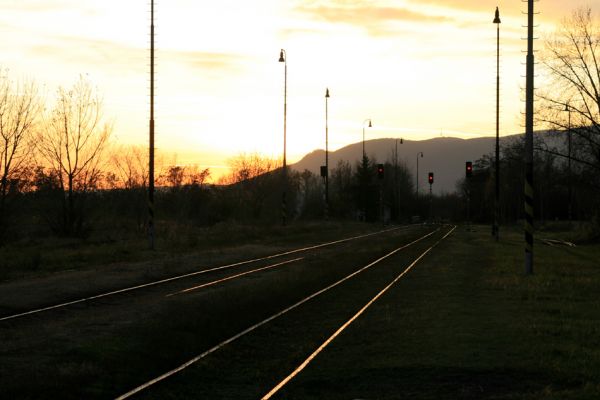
[
  {"x": 419, "y": 153},
  {"x": 370, "y": 126},
  {"x": 496, "y": 226},
  {"x": 570, "y": 210},
  {"x": 326, "y": 153},
  {"x": 283, "y": 59}
]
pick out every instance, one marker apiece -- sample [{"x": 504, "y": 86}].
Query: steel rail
[
  {"x": 350, "y": 321},
  {"x": 195, "y": 273},
  {"x": 230, "y": 277},
  {"x": 222, "y": 344}
]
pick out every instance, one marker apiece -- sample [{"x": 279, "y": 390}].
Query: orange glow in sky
[{"x": 417, "y": 68}]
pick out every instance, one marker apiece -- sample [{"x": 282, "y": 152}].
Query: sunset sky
[{"x": 417, "y": 68}]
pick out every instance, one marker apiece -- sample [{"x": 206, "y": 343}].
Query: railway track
[
  {"x": 346, "y": 324},
  {"x": 210, "y": 306},
  {"x": 129, "y": 289},
  {"x": 145, "y": 387}
]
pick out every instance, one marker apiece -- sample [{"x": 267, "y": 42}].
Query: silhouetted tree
[
  {"x": 572, "y": 59},
  {"x": 196, "y": 176},
  {"x": 399, "y": 184},
  {"x": 366, "y": 190},
  {"x": 311, "y": 195},
  {"x": 19, "y": 113},
  {"x": 252, "y": 180},
  {"x": 72, "y": 142},
  {"x": 131, "y": 166},
  {"x": 341, "y": 191},
  {"x": 571, "y": 105}
]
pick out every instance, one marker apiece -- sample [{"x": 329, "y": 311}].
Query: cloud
[
  {"x": 377, "y": 20},
  {"x": 88, "y": 52},
  {"x": 120, "y": 56},
  {"x": 548, "y": 9},
  {"x": 208, "y": 60},
  {"x": 44, "y": 6}
]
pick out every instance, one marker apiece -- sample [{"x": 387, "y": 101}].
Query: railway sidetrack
[
  {"x": 147, "y": 385},
  {"x": 87, "y": 299}
]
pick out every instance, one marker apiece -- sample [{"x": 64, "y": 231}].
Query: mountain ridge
[{"x": 444, "y": 156}]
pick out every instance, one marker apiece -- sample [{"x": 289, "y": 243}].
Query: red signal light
[
  {"x": 469, "y": 169},
  {"x": 380, "y": 171},
  {"x": 430, "y": 178}
]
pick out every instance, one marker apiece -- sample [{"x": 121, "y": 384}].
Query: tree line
[
  {"x": 58, "y": 164},
  {"x": 61, "y": 174}
]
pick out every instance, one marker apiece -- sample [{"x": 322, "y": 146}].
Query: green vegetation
[
  {"x": 465, "y": 323},
  {"x": 102, "y": 350},
  {"x": 48, "y": 254}
]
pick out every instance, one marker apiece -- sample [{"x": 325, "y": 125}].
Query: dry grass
[{"x": 100, "y": 349}]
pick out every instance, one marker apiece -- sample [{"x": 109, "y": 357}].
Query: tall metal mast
[
  {"x": 529, "y": 88},
  {"x": 496, "y": 226},
  {"x": 326, "y": 154},
  {"x": 151, "y": 148}
]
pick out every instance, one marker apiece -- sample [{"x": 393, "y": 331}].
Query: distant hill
[{"x": 444, "y": 156}]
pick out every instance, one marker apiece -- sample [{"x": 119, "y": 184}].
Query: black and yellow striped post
[
  {"x": 528, "y": 192},
  {"x": 151, "y": 219},
  {"x": 324, "y": 173},
  {"x": 283, "y": 208},
  {"x": 529, "y": 220}
]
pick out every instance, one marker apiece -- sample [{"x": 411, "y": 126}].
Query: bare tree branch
[
  {"x": 571, "y": 60},
  {"x": 19, "y": 113},
  {"x": 72, "y": 142}
]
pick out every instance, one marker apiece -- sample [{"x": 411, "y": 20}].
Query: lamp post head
[
  {"x": 327, "y": 93},
  {"x": 281, "y": 56},
  {"x": 497, "y": 16}
]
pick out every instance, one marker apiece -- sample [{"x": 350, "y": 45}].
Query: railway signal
[
  {"x": 468, "y": 174},
  {"x": 380, "y": 171},
  {"x": 323, "y": 171},
  {"x": 469, "y": 169},
  {"x": 430, "y": 180}
]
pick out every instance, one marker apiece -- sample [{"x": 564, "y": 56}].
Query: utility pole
[
  {"x": 380, "y": 176},
  {"x": 326, "y": 154},
  {"x": 430, "y": 203},
  {"x": 496, "y": 226},
  {"x": 396, "y": 185},
  {"x": 363, "y": 136},
  {"x": 528, "y": 190},
  {"x": 418, "y": 154},
  {"x": 151, "y": 149},
  {"x": 283, "y": 59},
  {"x": 570, "y": 209},
  {"x": 468, "y": 175}
]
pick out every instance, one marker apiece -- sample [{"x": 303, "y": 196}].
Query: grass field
[
  {"x": 464, "y": 323},
  {"x": 468, "y": 324},
  {"x": 49, "y": 255}
]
